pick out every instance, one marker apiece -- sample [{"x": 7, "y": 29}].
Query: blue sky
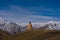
[{"x": 22, "y": 11}]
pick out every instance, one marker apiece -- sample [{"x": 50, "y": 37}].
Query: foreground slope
[{"x": 32, "y": 35}]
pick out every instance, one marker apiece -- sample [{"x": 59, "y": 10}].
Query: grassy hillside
[{"x": 32, "y": 35}]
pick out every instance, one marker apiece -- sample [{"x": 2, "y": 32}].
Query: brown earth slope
[{"x": 32, "y": 35}]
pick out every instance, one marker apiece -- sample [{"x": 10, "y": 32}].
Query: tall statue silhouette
[{"x": 29, "y": 26}]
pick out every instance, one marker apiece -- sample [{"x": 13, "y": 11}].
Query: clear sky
[{"x": 22, "y": 11}]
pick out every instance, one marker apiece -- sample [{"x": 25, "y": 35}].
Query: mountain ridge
[
  {"x": 9, "y": 26},
  {"x": 15, "y": 28}
]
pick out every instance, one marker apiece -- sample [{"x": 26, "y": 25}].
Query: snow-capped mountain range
[
  {"x": 9, "y": 26},
  {"x": 15, "y": 28},
  {"x": 51, "y": 25}
]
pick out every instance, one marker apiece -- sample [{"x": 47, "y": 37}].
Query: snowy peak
[
  {"x": 3, "y": 21},
  {"x": 1, "y": 18},
  {"x": 9, "y": 26},
  {"x": 51, "y": 25}
]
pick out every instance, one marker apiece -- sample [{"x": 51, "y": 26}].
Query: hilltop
[{"x": 32, "y": 35}]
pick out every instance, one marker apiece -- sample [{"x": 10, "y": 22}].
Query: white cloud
[
  {"x": 36, "y": 18},
  {"x": 22, "y": 15}
]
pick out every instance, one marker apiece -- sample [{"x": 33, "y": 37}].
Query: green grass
[{"x": 32, "y": 35}]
